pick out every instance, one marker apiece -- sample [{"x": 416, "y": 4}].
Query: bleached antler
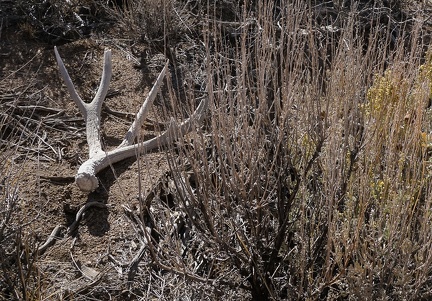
[{"x": 98, "y": 158}]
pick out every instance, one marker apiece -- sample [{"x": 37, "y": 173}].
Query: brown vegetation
[{"x": 309, "y": 180}]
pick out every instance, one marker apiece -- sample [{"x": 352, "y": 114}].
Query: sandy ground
[{"x": 53, "y": 146}]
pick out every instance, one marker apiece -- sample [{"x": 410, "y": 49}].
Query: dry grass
[
  {"x": 310, "y": 179},
  {"x": 18, "y": 248}
]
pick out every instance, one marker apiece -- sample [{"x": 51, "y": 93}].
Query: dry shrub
[
  {"x": 24, "y": 122},
  {"x": 19, "y": 278},
  {"x": 311, "y": 178},
  {"x": 150, "y": 21},
  {"x": 55, "y": 21}
]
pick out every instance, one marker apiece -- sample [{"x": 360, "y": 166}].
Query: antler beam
[{"x": 98, "y": 158}]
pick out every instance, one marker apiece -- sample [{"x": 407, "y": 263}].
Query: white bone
[{"x": 98, "y": 158}]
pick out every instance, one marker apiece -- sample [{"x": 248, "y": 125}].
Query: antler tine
[
  {"x": 106, "y": 78},
  {"x": 142, "y": 113},
  {"x": 175, "y": 130},
  {"x": 90, "y": 111},
  {"x": 93, "y": 109},
  {"x": 70, "y": 86}
]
